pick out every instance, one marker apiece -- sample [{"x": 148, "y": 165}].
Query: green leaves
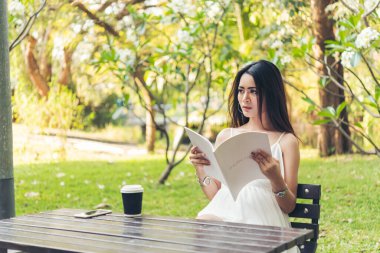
[
  {"x": 340, "y": 108},
  {"x": 329, "y": 113}
]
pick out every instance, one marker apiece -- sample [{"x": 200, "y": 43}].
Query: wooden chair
[{"x": 308, "y": 211}]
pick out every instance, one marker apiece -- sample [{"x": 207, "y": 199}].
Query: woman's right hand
[{"x": 198, "y": 158}]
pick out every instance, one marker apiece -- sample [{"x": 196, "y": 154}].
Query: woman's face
[{"x": 247, "y": 96}]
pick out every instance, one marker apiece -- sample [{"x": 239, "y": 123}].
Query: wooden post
[{"x": 7, "y": 207}]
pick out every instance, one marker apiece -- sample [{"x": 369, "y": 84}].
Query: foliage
[
  {"x": 349, "y": 219},
  {"x": 101, "y": 115},
  {"x": 356, "y": 45},
  {"x": 60, "y": 110}
]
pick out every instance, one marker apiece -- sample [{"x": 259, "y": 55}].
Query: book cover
[{"x": 231, "y": 161}]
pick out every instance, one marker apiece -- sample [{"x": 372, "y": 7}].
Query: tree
[
  {"x": 7, "y": 206},
  {"x": 330, "y": 139},
  {"x": 172, "y": 60}
]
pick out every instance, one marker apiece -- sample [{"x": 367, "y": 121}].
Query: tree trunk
[
  {"x": 329, "y": 141},
  {"x": 7, "y": 201},
  {"x": 65, "y": 74},
  {"x": 33, "y": 69},
  {"x": 166, "y": 173},
  {"x": 150, "y": 130},
  {"x": 45, "y": 57}
]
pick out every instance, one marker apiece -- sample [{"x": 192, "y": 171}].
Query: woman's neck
[{"x": 256, "y": 125}]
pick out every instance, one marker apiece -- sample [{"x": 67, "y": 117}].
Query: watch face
[{"x": 206, "y": 181}]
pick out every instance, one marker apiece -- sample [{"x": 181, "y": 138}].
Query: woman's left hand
[{"x": 268, "y": 165}]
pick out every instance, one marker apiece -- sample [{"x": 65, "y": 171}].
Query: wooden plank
[
  {"x": 72, "y": 239},
  {"x": 178, "y": 220},
  {"x": 241, "y": 238},
  {"x": 108, "y": 239},
  {"x": 208, "y": 226},
  {"x": 88, "y": 227},
  {"x": 301, "y": 235},
  {"x": 215, "y": 230},
  {"x": 191, "y": 223}
]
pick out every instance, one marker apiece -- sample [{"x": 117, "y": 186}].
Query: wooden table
[{"x": 59, "y": 231}]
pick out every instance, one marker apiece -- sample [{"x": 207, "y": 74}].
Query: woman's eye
[
  {"x": 254, "y": 92},
  {"x": 241, "y": 91}
]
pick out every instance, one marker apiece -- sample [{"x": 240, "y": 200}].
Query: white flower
[
  {"x": 16, "y": 8},
  {"x": 369, "y": 4},
  {"x": 86, "y": 181},
  {"x": 284, "y": 17},
  {"x": 128, "y": 21},
  {"x": 132, "y": 37},
  {"x": 88, "y": 24},
  {"x": 347, "y": 57},
  {"x": 128, "y": 57},
  {"x": 123, "y": 53},
  {"x": 155, "y": 11},
  {"x": 114, "y": 8},
  {"x": 184, "y": 37},
  {"x": 76, "y": 28},
  {"x": 285, "y": 59},
  {"x": 34, "y": 182},
  {"x": 62, "y": 183},
  {"x": 364, "y": 39},
  {"x": 277, "y": 44},
  {"x": 101, "y": 186},
  {"x": 213, "y": 10},
  {"x": 183, "y": 6},
  {"x": 31, "y": 194}
]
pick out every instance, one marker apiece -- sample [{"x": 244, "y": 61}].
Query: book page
[
  {"x": 234, "y": 158},
  {"x": 206, "y": 147}
]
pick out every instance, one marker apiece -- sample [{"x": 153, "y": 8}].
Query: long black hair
[{"x": 269, "y": 85}]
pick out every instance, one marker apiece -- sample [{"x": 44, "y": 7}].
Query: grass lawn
[{"x": 350, "y": 220}]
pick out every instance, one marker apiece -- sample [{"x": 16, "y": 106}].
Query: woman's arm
[
  {"x": 271, "y": 169},
  {"x": 198, "y": 159},
  {"x": 291, "y": 159}
]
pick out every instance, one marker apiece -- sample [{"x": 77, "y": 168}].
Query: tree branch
[
  {"x": 349, "y": 7},
  {"x": 96, "y": 20},
  {"x": 26, "y": 28},
  {"x": 365, "y": 15}
]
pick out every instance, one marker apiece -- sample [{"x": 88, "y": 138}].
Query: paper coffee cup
[{"x": 132, "y": 199}]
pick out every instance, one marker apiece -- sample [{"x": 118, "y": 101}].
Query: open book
[{"x": 231, "y": 161}]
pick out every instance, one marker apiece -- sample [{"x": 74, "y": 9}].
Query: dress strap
[
  {"x": 279, "y": 138},
  {"x": 231, "y": 132}
]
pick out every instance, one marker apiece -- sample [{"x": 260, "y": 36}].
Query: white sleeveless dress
[{"x": 255, "y": 204}]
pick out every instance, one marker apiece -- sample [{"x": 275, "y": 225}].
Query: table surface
[{"x": 60, "y": 231}]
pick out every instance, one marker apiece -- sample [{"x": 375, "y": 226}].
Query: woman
[{"x": 257, "y": 102}]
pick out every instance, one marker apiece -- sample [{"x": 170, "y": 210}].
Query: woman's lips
[{"x": 246, "y": 108}]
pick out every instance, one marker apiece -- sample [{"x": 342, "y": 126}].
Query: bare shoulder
[
  {"x": 289, "y": 143},
  {"x": 223, "y": 136}
]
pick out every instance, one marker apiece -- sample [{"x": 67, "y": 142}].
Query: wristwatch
[
  {"x": 281, "y": 194},
  {"x": 205, "y": 182}
]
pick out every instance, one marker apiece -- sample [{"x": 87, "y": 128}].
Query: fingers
[
  {"x": 197, "y": 157},
  {"x": 261, "y": 157},
  {"x": 195, "y": 150}
]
